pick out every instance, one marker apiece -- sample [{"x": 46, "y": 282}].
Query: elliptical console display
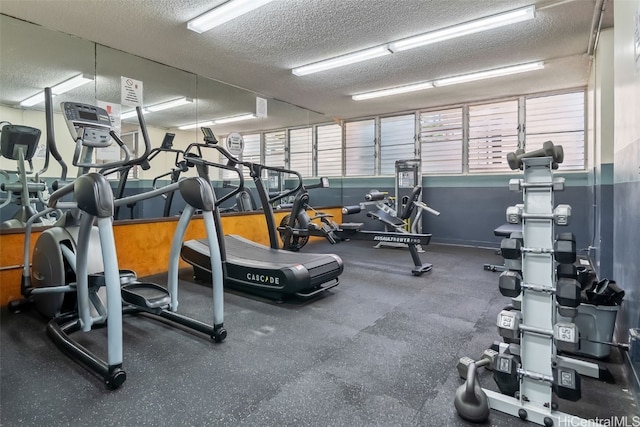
[{"x": 89, "y": 123}]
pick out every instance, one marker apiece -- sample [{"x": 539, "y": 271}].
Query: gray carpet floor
[{"x": 380, "y": 349}]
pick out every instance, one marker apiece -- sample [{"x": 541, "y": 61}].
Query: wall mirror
[{"x": 34, "y": 57}]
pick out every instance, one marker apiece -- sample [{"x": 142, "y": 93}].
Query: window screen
[
  {"x": 397, "y": 141},
  {"x": 300, "y": 151},
  {"x": 274, "y": 148},
  {"x": 329, "y": 147},
  {"x": 114, "y": 153},
  {"x": 440, "y": 139},
  {"x": 360, "y": 148},
  {"x": 493, "y": 132},
  {"x": 251, "y": 152},
  {"x": 560, "y": 119}
]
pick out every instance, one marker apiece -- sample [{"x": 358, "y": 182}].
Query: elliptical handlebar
[
  {"x": 145, "y": 135},
  {"x": 285, "y": 193},
  {"x": 58, "y": 194},
  {"x": 198, "y": 160},
  {"x": 255, "y": 169},
  {"x": 51, "y": 139}
]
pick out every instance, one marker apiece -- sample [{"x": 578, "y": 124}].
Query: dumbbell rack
[{"x": 539, "y": 369}]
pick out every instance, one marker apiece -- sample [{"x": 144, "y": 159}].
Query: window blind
[
  {"x": 440, "y": 135},
  {"x": 360, "y": 148},
  {"x": 300, "y": 151},
  {"x": 397, "y": 141},
  {"x": 329, "y": 149},
  {"x": 493, "y": 132},
  {"x": 560, "y": 119}
]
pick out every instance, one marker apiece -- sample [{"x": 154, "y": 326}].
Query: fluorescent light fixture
[
  {"x": 392, "y": 91},
  {"x": 339, "y": 61},
  {"x": 72, "y": 83},
  {"x": 65, "y": 86},
  {"x": 464, "y": 29},
  {"x": 170, "y": 104},
  {"x": 130, "y": 114},
  {"x": 33, "y": 100},
  {"x": 223, "y": 13},
  {"x": 158, "y": 107},
  {"x": 498, "y": 72},
  {"x": 195, "y": 125},
  {"x": 234, "y": 119},
  {"x": 219, "y": 121}
]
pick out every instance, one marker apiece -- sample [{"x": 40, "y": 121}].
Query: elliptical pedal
[
  {"x": 98, "y": 280},
  {"x": 145, "y": 295}
]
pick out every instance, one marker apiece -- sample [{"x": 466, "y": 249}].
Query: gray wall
[
  {"x": 470, "y": 206},
  {"x": 626, "y": 264},
  {"x": 603, "y": 194}
]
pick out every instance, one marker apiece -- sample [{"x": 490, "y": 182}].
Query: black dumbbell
[
  {"x": 568, "y": 292},
  {"x": 564, "y": 248},
  {"x": 548, "y": 150},
  {"x": 566, "y": 383},
  {"x": 567, "y": 271},
  {"x": 510, "y": 283},
  {"x": 505, "y": 373},
  {"x": 511, "y": 248}
]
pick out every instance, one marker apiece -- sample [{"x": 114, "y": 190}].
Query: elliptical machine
[
  {"x": 20, "y": 143},
  {"x": 62, "y": 265}
]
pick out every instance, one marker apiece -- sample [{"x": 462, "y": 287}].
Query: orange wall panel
[{"x": 142, "y": 246}]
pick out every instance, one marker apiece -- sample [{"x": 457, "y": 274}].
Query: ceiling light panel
[
  {"x": 195, "y": 125},
  {"x": 393, "y": 91},
  {"x": 223, "y": 13},
  {"x": 464, "y": 29},
  {"x": 170, "y": 104},
  {"x": 72, "y": 83},
  {"x": 498, "y": 72},
  {"x": 60, "y": 88},
  {"x": 234, "y": 119},
  {"x": 130, "y": 114},
  {"x": 351, "y": 58},
  {"x": 33, "y": 100}
]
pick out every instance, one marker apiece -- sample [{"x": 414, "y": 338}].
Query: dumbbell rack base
[
  {"x": 534, "y": 413},
  {"x": 588, "y": 369}
]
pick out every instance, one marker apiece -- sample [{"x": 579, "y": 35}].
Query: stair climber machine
[
  {"x": 296, "y": 228},
  {"x": 20, "y": 143},
  {"x": 268, "y": 272},
  {"x": 74, "y": 264}
]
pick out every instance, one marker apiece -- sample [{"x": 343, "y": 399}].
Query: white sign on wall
[
  {"x": 130, "y": 92},
  {"x": 261, "y": 107},
  {"x": 235, "y": 143},
  {"x": 112, "y": 152},
  {"x": 113, "y": 110}
]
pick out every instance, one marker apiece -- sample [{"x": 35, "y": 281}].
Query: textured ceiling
[{"x": 257, "y": 50}]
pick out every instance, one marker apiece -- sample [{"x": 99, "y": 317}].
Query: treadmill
[{"x": 269, "y": 272}]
